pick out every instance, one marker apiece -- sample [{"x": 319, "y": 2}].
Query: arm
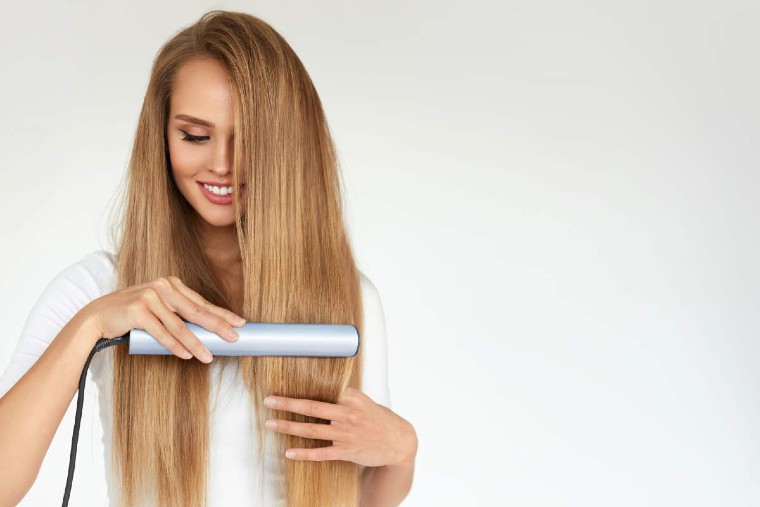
[
  {"x": 387, "y": 485},
  {"x": 43, "y": 375},
  {"x": 32, "y": 410}
]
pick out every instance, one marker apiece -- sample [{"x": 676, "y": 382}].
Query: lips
[{"x": 216, "y": 199}]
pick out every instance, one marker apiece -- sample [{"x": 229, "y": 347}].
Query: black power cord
[{"x": 99, "y": 345}]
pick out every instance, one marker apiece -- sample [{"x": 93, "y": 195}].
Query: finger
[
  {"x": 308, "y": 430},
  {"x": 233, "y": 318},
  {"x": 193, "y": 312},
  {"x": 154, "y": 327},
  {"x": 312, "y": 408},
  {"x": 177, "y": 328},
  {"x": 318, "y": 454}
]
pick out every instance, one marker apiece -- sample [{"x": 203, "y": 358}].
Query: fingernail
[
  {"x": 241, "y": 321},
  {"x": 206, "y": 357},
  {"x": 269, "y": 402},
  {"x": 233, "y": 334}
]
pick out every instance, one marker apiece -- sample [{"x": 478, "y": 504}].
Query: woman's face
[{"x": 200, "y": 138}]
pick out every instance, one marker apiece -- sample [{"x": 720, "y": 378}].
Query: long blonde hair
[{"x": 297, "y": 267}]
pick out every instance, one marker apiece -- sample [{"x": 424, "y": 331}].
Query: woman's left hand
[{"x": 361, "y": 430}]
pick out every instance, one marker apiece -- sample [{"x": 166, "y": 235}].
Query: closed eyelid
[
  {"x": 188, "y": 133},
  {"x": 193, "y": 138}
]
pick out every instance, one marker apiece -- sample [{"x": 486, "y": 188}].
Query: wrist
[
  {"x": 407, "y": 458},
  {"x": 88, "y": 323},
  {"x": 406, "y": 463}
]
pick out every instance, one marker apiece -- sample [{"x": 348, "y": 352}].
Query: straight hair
[{"x": 297, "y": 263}]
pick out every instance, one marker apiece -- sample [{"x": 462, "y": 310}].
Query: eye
[{"x": 193, "y": 139}]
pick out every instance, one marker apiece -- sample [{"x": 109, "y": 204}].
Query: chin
[
  {"x": 219, "y": 222},
  {"x": 220, "y": 219}
]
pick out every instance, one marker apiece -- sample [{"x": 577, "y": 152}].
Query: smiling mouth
[{"x": 209, "y": 186}]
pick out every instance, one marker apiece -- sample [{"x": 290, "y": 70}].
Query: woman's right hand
[{"x": 153, "y": 306}]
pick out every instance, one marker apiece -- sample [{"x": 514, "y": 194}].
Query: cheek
[{"x": 185, "y": 160}]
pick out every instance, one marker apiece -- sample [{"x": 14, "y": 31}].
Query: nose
[{"x": 222, "y": 157}]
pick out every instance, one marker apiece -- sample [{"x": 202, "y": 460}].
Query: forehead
[{"x": 201, "y": 89}]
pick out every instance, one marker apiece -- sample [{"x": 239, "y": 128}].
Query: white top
[{"x": 233, "y": 464}]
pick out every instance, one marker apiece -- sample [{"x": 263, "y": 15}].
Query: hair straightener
[{"x": 256, "y": 339}]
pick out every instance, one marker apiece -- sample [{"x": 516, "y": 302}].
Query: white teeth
[{"x": 217, "y": 190}]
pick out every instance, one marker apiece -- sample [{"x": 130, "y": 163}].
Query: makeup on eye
[{"x": 193, "y": 139}]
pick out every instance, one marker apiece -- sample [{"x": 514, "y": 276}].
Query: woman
[{"x": 233, "y": 213}]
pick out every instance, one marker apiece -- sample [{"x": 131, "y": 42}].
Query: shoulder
[
  {"x": 70, "y": 289},
  {"x": 374, "y": 345},
  {"x": 371, "y": 302},
  {"x": 369, "y": 290},
  {"x": 374, "y": 317},
  {"x": 91, "y": 275}
]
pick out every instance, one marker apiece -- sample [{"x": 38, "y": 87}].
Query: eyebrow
[{"x": 193, "y": 119}]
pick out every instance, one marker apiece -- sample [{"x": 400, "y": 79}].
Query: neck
[{"x": 220, "y": 244}]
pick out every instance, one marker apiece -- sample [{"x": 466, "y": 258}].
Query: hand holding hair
[{"x": 361, "y": 430}]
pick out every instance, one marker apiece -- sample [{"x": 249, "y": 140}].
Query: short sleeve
[
  {"x": 374, "y": 345},
  {"x": 67, "y": 293}
]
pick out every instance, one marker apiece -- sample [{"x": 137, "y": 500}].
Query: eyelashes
[{"x": 193, "y": 139}]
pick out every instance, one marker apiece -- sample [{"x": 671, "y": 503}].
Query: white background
[{"x": 557, "y": 201}]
